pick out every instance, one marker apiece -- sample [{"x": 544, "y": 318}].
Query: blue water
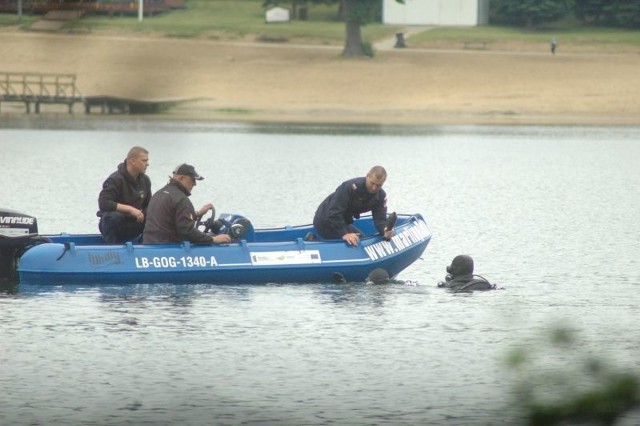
[{"x": 548, "y": 213}]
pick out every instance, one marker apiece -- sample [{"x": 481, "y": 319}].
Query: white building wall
[{"x": 436, "y": 12}]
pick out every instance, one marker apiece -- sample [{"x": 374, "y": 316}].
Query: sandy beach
[{"x": 215, "y": 80}]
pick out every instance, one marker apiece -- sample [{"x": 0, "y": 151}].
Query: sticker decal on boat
[
  {"x": 290, "y": 257},
  {"x": 402, "y": 240},
  {"x": 161, "y": 262},
  {"x": 109, "y": 258},
  {"x": 13, "y": 232}
]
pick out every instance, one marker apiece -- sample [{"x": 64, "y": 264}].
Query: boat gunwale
[{"x": 332, "y": 255}]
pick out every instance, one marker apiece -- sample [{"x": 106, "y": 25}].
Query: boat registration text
[{"x": 159, "y": 262}]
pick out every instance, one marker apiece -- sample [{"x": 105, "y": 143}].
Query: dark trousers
[
  {"x": 116, "y": 227},
  {"x": 328, "y": 233}
]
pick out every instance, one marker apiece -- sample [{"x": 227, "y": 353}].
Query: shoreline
[
  {"x": 253, "y": 82},
  {"x": 98, "y": 121}
]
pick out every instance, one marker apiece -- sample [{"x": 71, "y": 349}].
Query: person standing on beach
[
  {"x": 334, "y": 216},
  {"x": 171, "y": 217},
  {"x": 124, "y": 198}
]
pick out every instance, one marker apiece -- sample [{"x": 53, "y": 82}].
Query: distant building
[{"x": 468, "y": 13}]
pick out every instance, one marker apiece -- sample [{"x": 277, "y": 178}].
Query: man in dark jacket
[
  {"x": 171, "y": 217},
  {"x": 334, "y": 217},
  {"x": 124, "y": 198}
]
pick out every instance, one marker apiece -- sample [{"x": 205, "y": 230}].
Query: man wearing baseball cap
[{"x": 171, "y": 217}]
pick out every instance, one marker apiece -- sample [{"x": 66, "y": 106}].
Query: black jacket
[
  {"x": 348, "y": 202},
  {"x": 121, "y": 187},
  {"x": 171, "y": 218}
]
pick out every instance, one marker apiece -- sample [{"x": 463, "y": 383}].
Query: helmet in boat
[{"x": 461, "y": 265}]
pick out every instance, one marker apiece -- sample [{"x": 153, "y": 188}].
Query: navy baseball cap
[{"x": 187, "y": 170}]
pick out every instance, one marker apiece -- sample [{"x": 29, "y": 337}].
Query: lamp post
[
  {"x": 19, "y": 10},
  {"x": 140, "y": 11}
]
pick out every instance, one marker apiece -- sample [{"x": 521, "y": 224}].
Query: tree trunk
[
  {"x": 353, "y": 44},
  {"x": 341, "y": 14}
]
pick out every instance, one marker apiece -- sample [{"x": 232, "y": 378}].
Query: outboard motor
[
  {"x": 236, "y": 226},
  {"x": 18, "y": 231}
]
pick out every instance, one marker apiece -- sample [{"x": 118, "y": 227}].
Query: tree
[
  {"x": 615, "y": 13},
  {"x": 589, "y": 11},
  {"x": 528, "y": 13},
  {"x": 625, "y": 14},
  {"x": 355, "y": 13}
]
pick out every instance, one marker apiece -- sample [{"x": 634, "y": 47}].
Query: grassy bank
[
  {"x": 11, "y": 21},
  {"x": 243, "y": 20},
  {"x": 571, "y": 37},
  {"x": 238, "y": 20}
]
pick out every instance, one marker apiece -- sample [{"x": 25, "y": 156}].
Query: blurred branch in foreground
[{"x": 556, "y": 384}]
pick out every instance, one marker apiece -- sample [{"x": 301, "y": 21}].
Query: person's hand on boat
[
  {"x": 352, "y": 239},
  {"x": 388, "y": 233},
  {"x": 221, "y": 239}
]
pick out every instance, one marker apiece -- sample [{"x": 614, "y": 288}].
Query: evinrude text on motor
[{"x": 18, "y": 232}]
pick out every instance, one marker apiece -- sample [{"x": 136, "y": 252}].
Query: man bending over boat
[
  {"x": 334, "y": 217},
  {"x": 171, "y": 217},
  {"x": 124, "y": 198}
]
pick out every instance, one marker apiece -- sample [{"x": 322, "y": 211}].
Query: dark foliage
[
  {"x": 611, "y": 13},
  {"x": 528, "y": 13}
]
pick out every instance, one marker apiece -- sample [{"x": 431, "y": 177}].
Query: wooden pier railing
[{"x": 39, "y": 88}]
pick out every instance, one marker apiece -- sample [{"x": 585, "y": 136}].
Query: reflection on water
[
  {"x": 549, "y": 213},
  {"x": 181, "y": 126},
  {"x": 150, "y": 124},
  {"x": 9, "y": 286}
]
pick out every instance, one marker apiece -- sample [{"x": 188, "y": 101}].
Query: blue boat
[{"x": 278, "y": 255}]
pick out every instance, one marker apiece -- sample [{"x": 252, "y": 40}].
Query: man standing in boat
[
  {"x": 124, "y": 198},
  {"x": 171, "y": 217},
  {"x": 334, "y": 217}
]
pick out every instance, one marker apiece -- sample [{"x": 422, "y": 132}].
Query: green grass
[
  {"x": 571, "y": 37},
  {"x": 11, "y": 19},
  {"x": 244, "y": 20},
  {"x": 237, "y": 19},
  {"x": 494, "y": 34}
]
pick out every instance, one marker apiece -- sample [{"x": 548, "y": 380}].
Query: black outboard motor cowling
[
  {"x": 18, "y": 231},
  {"x": 14, "y": 224}
]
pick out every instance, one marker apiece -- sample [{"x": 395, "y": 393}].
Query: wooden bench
[{"x": 475, "y": 45}]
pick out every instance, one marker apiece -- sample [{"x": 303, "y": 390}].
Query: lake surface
[{"x": 548, "y": 213}]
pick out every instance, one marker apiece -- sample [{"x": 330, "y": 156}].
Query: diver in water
[
  {"x": 381, "y": 276},
  {"x": 377, "y": 276},
  {"x": 460, "y": 277}
]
